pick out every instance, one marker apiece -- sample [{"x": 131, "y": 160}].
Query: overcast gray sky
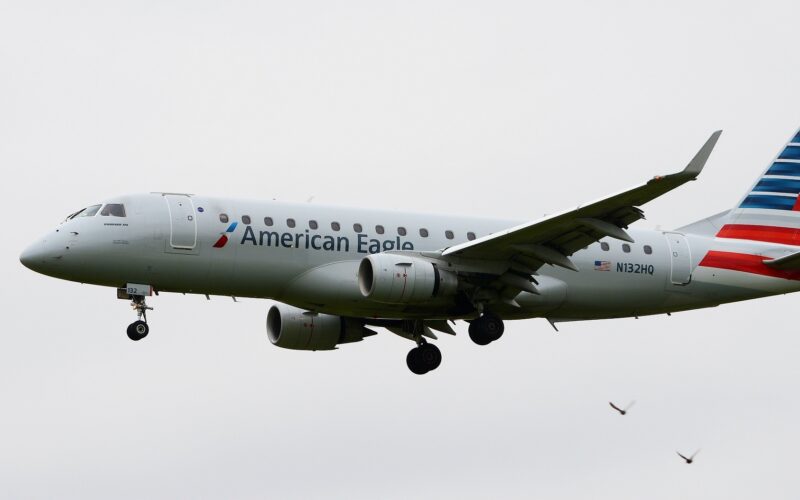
[{"x": 509, "y": 109}]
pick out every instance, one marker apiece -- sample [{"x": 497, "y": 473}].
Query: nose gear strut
[{"x": 139, "y": 328}]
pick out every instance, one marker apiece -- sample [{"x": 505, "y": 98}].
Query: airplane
[{"x": 338, "y": 273}]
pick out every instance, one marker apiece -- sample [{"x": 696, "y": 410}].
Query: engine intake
[
  {"x": 293, "y": 328},
  {"x": 399, "y": 279}
]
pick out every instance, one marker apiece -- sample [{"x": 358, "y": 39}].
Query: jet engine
[
  {"x": 293, "y": 328},
  {"x": 400, "y": 279}
]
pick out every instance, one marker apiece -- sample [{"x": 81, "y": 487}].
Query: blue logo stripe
[
  {"x": 796, "y": 138},
  {"x": 782, "y": 168},
  {"x": 231, "y": 227},
  {"x": 769, "y": 202},
  {"x": 778, "y": 186}
]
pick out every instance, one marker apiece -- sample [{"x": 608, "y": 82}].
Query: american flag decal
[{"x": 602, "y": 265}]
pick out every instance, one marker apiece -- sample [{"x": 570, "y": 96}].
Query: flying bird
[
  {"x": 690, "y": 459},
  {"x": 622, "y": 411}
]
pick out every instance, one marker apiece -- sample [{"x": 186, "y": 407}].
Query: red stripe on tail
[
  {"x": 745, "y": 263},
  {"x": 770, "y": 234}
]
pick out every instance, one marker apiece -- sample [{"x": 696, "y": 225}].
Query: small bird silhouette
[
  {"x": 690, "y": 459},
  {"x": 622, "y": 411}
]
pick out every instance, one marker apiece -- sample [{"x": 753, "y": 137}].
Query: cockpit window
[
  {"x": 86, "y": 212},
  {"x": 114, "y": 210}
]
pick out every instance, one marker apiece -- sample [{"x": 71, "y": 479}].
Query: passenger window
[
  {"x": 401, "y": 231},
  {"x": 246, "y": 219},
  {"x": 470, "y": 236},
  {"x": 449, "y": 234},
  {"x": 223, "y": 218},
  {"x": 114, "y": 210},
  {"x": 648, "y": 249},
  {"x": 423, "y": 232},
  {"x": 357, "y": 227},
  {"x": 379, "y": 229},
  {"x": 626, "y": 248},
  {"x": 604, "y": 246},
  {"x": 335, "y": 226},
  {"x": 290, "y": 222},
  {"x": 268, "y": 221},
  {"x": 313, "y": 224}
]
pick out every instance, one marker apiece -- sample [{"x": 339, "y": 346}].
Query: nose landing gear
[{"x": 139, "y": 328}]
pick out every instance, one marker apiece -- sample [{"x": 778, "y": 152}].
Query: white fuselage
[{"x": 173, "y": 242}]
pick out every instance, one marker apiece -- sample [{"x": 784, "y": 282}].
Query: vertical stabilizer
[{"x": 770, "y": 210}]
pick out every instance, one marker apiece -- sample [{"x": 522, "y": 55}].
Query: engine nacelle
[
  {"x": 293, "y": 328},
  {"x": 399, "y": 279}
]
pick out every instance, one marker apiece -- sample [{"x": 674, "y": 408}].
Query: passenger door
[
  {"x": 680, "y": 259},
  {"x": 182, "y": 224}
]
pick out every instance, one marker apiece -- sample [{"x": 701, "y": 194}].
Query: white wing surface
[{"x": 552, "y": 239}]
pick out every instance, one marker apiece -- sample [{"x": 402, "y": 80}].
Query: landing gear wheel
[
  {"x": 486, "y": 329},
  {"x": 431, "y": 356},
  {"x": 494, "y": 326},
  {"x": 415, "y": 362},
  {"x": 138, "y": 330},
  {"x": 422, "y": 359}
]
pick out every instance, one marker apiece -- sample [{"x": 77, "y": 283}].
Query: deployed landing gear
[
  {"x": 139, "y": 329},
  {"x": 424, "y": 358},
  {"x": 486, "y": 329}
]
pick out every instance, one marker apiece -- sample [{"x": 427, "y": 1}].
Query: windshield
[
  {"x": 86, "y": 212},
  {"x": 114, "y": 210}
]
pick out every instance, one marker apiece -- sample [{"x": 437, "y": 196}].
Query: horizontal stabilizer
[{"x": 790, "y": 262}]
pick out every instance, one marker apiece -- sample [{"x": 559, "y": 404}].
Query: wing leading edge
[{"x": 552, "y": 239}]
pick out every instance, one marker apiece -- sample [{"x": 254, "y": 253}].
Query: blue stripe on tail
[
  {"x": 790, "y": 153},
  {"x": 784, "y": 168},
  {"x": 771, "y": 185},
  {"x": 771, "y": 202}
]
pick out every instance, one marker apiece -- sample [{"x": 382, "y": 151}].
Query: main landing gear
[
  {"x": 424, "y": 358},
  {"x": 486, "y": 329},
  {"x": 139, "y": 329}
]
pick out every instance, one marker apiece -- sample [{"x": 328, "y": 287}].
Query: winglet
[{"x": 699, "y": 161}]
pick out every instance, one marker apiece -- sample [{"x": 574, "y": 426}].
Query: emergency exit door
[
  {"x": 680, "y": 259},
  {"x": 182, "y": 222}
]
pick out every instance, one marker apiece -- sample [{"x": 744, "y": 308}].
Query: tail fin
[{"x": 770, "y": 211}]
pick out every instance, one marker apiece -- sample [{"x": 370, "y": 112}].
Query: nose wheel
[
  {"x": 424, "y": 358},
  {"x": 139, "y": 328}
]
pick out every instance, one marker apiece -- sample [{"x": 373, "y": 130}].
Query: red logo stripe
[
  {"x": 221, "y": 241},
  {"x": 770, "y": 234},
  {"x": 745, "y": 263}
]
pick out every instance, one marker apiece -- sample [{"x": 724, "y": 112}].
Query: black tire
[
  {"x": 478, "y": 334},
  {"x": 138, "y": 330},
  {"x": 431, "y": 356},
  {"x": 415, "y": 362},
  {"x": 494, "y": 326}
]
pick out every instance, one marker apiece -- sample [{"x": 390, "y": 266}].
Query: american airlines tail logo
[{"x": 223, "y": 240}]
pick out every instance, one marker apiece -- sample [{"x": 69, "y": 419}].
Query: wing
[
  {"x": 614, "y": 406},
  {"x": 552, "y": 239},
  {"x": 679, "y": 454}
]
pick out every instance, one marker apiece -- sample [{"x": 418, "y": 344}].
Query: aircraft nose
[
  {"x": 31, "y": 256},
  {"x": 39, "y": 257}
]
